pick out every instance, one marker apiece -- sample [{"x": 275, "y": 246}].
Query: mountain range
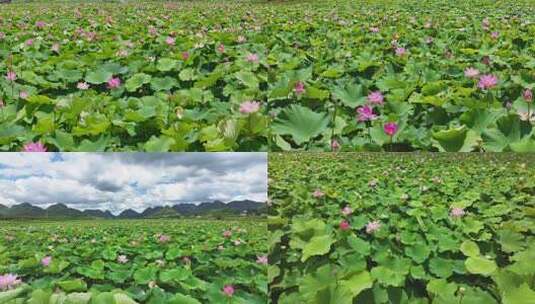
[{"x": 56, "y": 211}]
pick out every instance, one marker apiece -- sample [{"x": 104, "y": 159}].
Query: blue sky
[{"x": 118, "y": 181}]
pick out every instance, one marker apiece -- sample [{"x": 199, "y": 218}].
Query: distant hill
[
  {"x": 24, "y": 210},
  {"x": 28, "y": 211},
  {"x": 97, "y": 213},
  {"x": 129, "y": 213}
]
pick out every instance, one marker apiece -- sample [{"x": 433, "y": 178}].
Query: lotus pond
[
  {"x": 133, "y": 261},
  {"x": 402, "y": 228},
  {"x": 267, "y": 75}
]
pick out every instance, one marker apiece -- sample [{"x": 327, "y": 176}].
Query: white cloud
[{"x": 118, "y": 181}]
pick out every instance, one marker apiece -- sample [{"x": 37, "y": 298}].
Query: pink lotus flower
[
  {"x": 122, "y": 53},
  {"x": 40, "y": 24},
  {"x": 299, "y": 88},
  {"x": 373, "y": 226},
  {"x": 262, "y": 260},
  {"x": 221, "y": 48},
  {"x": 374, "y": 29},
  {"x": 486, "y": 23},
  {"x": 11, "y": 76},
  {"x": 487, "y": 82},
  {"x": 335, "y": 145},
  {"x": 400, "y": 51},
  {"x": 252, "y": 58},
  {"x": 390, "y": 128},
  {"x": 508, "y": 105},
  {"x": 29, "y": 42},
  {"x": 494, "y": 35},
  {"x": 365, "y": 114},
  {"x": 170, "y": 41},
  {"x": 317, "y": 193},
  {"x": 114, "y": 83},
  {"x": 9, "y": 281},
  {"x": 153, "y": 31},
  {"x": 344, "y": 225},
  {"x": 122, "y": 259},
  {"x": 185, "y": 56},
  {"x": 23, "y": 95},
  {"x": 347, "y": 211},
  {"x": 527, "y": 95},
  {"x": 376, "y": 97},
  {"x": 164, "y": 238},
  {"x": 82, "y": 86},
  {"x": 46, "y": 261},
  {"x": 91, "y": 36},
  {"x": 227, "y": 233},
  {"x": 228, "y": 290},
  {"x": 457, "y": 212},
  {"x": 248, "y": 107},
  {"x": 34, "y": 147},
  {"x": 55, "y": 47},
  {"x": 471, "y": 73}
]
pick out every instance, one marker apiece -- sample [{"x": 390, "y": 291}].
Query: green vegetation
[
  {"x": 268, "y": 75},
  {"x": 402, "y": 228},
  {"x": 134, "y": 261}
]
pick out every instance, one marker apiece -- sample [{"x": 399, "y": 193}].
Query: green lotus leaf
[
  {"x": 523, "y": 261},
  {"x": 351, "y": 95},
  {"x": 509, "y": 131},
  {"x": 441, "y": 289},
  {"x": 456, "y": 140},
  {"x": 312, "y": 237},
  {"x": 387, "y": 277},
  {"x": 145, "y": 275},
  {"x": 174, "y": 275},
  {"x": 40, "y": 99},
  {"x": 166, "y": 64},
  {"x": 301, "y": 123},
  {"x": 418, "y": 252},
  {"x": 511, "y": 241},
  {"x": 470, "y": 249},
  {"x": 521, "y": 295},
  {"x": 187, "y": 74},
  {"x": 357, "y": 283},
  {"x": 159, "y": 144},
  {"x": 135, "y": 82},
  {"x": 480, "y": 265},
  {"x": 73, "y": 285},
  {"x": 316, "y": 93},
  {"x": 163, "y": 84},
  {"x": 98, "y": 77},
  {"x": 248, "y": 79},
  {"x": 182, "y": 299},
  {"x": 7, "y": 296}
]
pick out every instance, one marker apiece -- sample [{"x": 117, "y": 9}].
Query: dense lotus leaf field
[
  {"x": 268, "y": 75},
  {"x": 124, "y": 262},
  {"x": 402, "y": 228}
]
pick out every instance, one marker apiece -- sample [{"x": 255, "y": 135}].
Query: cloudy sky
[{"x": 118, "y": 181}]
